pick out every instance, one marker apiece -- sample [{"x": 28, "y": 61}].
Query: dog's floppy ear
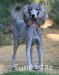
[
  {"x": 45, "y": 10},
  {"x": 26, "y": 13},
  {"x": 42, "y": 15},
  {"x": 42, "y": 10}
]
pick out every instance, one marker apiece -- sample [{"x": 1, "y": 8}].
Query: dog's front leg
[
  {"x": 34, "y": 66},
  {"x": 28, "y": 48},
  {"x": 40, "y": 56}
]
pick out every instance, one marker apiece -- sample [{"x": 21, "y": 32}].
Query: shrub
[{"x": 53, "y": 9}]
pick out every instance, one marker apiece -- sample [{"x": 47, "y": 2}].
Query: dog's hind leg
[{"x": 16, "y": 38}]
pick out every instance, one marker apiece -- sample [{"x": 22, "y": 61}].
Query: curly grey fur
[{"x": 21, "y": 17}]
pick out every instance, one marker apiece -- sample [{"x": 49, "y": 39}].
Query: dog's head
[{"x": 35, "y": 12}]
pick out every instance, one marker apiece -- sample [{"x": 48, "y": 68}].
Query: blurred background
[{"x": 52, "y": 7}]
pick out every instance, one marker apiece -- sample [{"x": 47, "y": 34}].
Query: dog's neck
[{"x": 34, "y": 23}]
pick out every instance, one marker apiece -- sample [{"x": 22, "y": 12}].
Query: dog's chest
[{"x": 33, "y": 32}]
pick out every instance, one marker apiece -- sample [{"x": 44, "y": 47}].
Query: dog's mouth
[{"x": 33, "y": 17}]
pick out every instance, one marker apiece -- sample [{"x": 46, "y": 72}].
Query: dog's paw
[
  {"x": 14, "y": 69},
  {"x": 35, "y": 69}
]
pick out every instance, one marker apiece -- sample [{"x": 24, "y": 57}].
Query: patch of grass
[{"x": 27, "y": 73}]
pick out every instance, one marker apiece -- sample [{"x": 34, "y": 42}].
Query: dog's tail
[{"x": 16, "y": 12}]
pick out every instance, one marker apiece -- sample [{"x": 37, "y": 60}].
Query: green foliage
[
  {"x": 4, "y": 8},
  {"x": 52, "y": 5},
  {"x": 5, "y": 39},
  {"x": 53, "y": 9}
]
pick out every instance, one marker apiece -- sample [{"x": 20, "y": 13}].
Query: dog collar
[{"x": 35, "y": 26}]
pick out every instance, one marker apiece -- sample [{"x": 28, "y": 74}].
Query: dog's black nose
[{"x": 33, "y": 16}]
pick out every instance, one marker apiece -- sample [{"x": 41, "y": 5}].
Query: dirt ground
[{"x": 50, "y": 53}]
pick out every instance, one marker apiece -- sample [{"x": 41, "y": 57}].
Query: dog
[{"x": 27, "y": 21}]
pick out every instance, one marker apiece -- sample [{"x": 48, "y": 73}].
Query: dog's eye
[
  {"x": 30, "y": 9},
  {"x": 37, "y": 9}
]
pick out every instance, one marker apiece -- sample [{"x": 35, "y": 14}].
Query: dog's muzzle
[{"x": 33, "y": 17}]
